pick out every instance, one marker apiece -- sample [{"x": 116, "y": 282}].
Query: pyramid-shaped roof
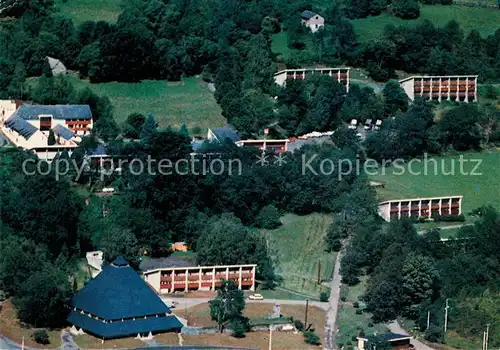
[{"x": 119, "y": 292}]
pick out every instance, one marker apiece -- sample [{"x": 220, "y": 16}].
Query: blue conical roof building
[{"x": 119, "y": 303}]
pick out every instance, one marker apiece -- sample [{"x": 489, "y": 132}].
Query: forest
[
  {"x": 46, "y": 224},
  {"x": 410, "y": 275}
]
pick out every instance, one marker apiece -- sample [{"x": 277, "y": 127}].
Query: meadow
[
  {"x": 299, "y": 247},
  {"x": 477, "y": 190},
  {"x": 90, "y": 10},
  {"x": 187, "y": 102},
  {"x": 485, "y": 20}
]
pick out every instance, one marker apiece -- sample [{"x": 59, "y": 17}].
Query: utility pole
[
  {"x": 319, "y": 272},
  {"x": 446, "y": 316},
  {"x": 307, "y": 307},
  {"x": 487, "y": 335},
  {"x": 428, "y": 319},
  {"x": 270, "y": 337}
]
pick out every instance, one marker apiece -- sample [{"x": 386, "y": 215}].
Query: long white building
[
  {"x": 446, "y": 87},
  {"x": 420, "y": 207},
  {"x": 341, "y": 74}
]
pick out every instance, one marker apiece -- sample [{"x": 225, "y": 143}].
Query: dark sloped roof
[
  {"x": 227, "y": 132},
  {"x": 120, "y": 261},
  {"x": 307, "y": 14},
  {"x": 21, "y": 126},
  {"x": 68, "y": 112},
  {"x": 63, "y": 132},
  {"x": 100, "y": 150},
  {"x": 125, "y": 328},
  {"x": 119, "y": 292}
]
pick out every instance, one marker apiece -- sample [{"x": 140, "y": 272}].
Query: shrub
[
  {"x": 433, "y": 334},
  {"x": 298, "y": 325},
  {"x": 41, "y": 337},
  {"x": 269, "y": 217},
  {"x": 370, "y": 325},
  {"x": 240, "y": 326},
  {"x": 359, "y": 312},
  {"x": 343, "y": 298},
  {"x": 406, "y": 9},
  {"x": 324, "y": 296},
  {"x": 311, "y": 338},
  {"x": 355, "y": 305}
]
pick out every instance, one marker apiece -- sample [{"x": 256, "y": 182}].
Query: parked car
[{"x": 256, "y": 296}]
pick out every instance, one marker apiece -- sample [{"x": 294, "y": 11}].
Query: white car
[{"x": 256, "y": 296}]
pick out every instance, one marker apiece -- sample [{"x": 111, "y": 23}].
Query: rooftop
[
  {"x": 119, "y": 292},
  {"x": 65, "y": 112},
  {"x": 63, "y": 132},
  {"x": 308, "y": 14},
  {"x": 227, "y": 132},
  {"x": 21, "y": 126}
]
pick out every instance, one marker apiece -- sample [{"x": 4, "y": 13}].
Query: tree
[
  {"x": 395, "y": 98},
  {"x": 41, "y": 337},
  {"x": 148, "y": 128},
  {"x": 269, "y": 217},
  {"x": 406, "y": 9},
  {"x": 419, "y": 282},
  {"x": 228, "y": 305},
  {"x": 52, "y": 138},
  {"x": 460, "y": 127},
  {"x": 310, "y": 337},
  {"x": 42, "y": 298},
  {"x": 115, "y": 241},
  {"x": 134, "y": 124}
]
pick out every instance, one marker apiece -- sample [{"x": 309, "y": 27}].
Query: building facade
[
  {"x": 312, "y": 20},
  {"x": 7, "y": 108},
  {"x": 438, "y": 88},
  {"x": 170, "y": 280},
  {"x": 29, "y": 127},
  {"x": 341, "y": 74},
  {"x": 420, "y": 207},
  {"x": 276, "y": 146}
]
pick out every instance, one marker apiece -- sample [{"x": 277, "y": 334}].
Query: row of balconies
[
  {"x": 444, "y": 88},
  {"x": 77, "y": 122},
  {"x": 425, "y": 207},
  {"x": 196, "y": 277},
  {"x": 193, "y": 285},
  {"x": 444, "y": 81}
]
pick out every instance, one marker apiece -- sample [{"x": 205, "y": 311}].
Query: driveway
[{"x": 396, "y": 328}]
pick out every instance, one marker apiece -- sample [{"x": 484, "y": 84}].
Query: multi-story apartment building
[
  {"x": 449, "y": 87},
  {"x": 341, "y": 74},
  {"x": 420, "y": 207},
  {"x": 170, "y": 280}
]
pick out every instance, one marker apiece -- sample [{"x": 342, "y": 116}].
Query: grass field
[
  {"x": 187, "y": 102},
  {"x": 11, "y": 328},
  {"x": 90, "y": 10},
  {"x": 299, "y": 245},
  {"x": 349, "y": 322},
  {"x": 484, "y": 20},
  {"x": 477, "y": 190}
]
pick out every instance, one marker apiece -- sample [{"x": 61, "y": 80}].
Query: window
[
  {"x": 316, "y": 26},
  {"x": 45, "y": 123}
]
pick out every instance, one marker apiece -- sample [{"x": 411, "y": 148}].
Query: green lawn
[
  {"x": 484, "y": 20},
  {"x": 349, "y": 322},
  {"x": 187, "y": 102},
  {"x": 299, "y": 246},
  {"x": 477, "y": 190},
  {"x": 90, "y": 10}
]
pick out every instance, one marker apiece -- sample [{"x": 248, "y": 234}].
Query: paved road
[
  {"x": 190, "y": 302},
  {"x": 396, "y": 328},
  {"x": 333, "y": 305},
  {"x": 451, "y": 227}
]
